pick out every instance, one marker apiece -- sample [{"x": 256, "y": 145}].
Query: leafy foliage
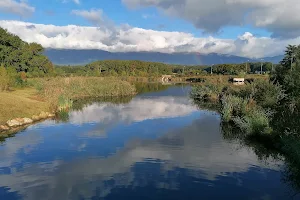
[{"x": 23, "y": 56}]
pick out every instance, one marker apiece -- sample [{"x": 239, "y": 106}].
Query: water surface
[{"x": 157, "y": 145}]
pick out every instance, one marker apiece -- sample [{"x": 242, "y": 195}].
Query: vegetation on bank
[
  {"x": 266, "y": 110},
  {"x": 60, "y": 92},
  {"x": 57, "y": 94}
]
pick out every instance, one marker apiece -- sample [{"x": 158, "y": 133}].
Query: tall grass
[
  {"x": 4, "y": 79},
  {"x": 206, "y": 92},
  {"x": 60, "y": 91},
  {"x": 266, "y": 93},
  {"x": 64, "y": 103},
  {"x": 246, "y": 115},
  {"x": 247, "y": 107},
  {"x": 233, "y": 106},
  {"x": 256, "y": 121}
]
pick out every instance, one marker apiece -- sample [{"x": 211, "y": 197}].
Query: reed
[{"x": 61, "y": 91}]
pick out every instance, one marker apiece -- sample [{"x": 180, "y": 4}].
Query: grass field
[{"x": 20, "y": 103}]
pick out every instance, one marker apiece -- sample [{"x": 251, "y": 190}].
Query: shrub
[
  {"x": 64, "y": 103},
  {"x": 266, "y": 94},
  {"x": 233, "y": 106},
  {"x": 206, "y": 92},
  {"x": 256, "y": 121}
]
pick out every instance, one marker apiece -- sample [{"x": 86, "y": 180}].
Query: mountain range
[{"x": 82, "y": 57}]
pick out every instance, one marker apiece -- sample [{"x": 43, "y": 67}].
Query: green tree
[{"x": 22, "y": 56}]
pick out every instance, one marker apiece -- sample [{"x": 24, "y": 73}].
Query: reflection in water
[
  {"x": 157, "y": 146},
  {"x": 139, "y": 109}
]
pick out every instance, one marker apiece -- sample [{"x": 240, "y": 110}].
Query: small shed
[
  {"x": 166, "y": 78},
  {"x": 239, "y": 81}
]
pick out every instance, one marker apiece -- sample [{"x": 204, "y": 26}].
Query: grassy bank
[
  {"x": 20, "y": 103},
  {"x": 264, "y": 114},
  {"x": 53, "y": 94},
  {"x": 59, "y": 91}
]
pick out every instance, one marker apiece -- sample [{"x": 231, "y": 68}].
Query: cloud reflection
[
  {"x": 198, "y": 147},
  {"x": 139, "y": 109}
]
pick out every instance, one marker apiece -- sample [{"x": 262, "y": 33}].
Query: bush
[
  {"x": 206, "y": 92},
  {"x": 233, "y": 106},
  {"x": 256, "y": 121},
  {"x": 245, "y": 114},
  {"x": 266, "y": 94}
]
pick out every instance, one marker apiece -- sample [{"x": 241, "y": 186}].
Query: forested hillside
[{"x": 85, "y": 56}]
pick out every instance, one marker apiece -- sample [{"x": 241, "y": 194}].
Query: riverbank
[
  {"x": 21, "y": 103},
  {"x": 262, "y": 114},
  {"x": 45, "y": 96}
]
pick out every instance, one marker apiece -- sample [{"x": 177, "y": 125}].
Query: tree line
[{"x": 145, "y": 69}]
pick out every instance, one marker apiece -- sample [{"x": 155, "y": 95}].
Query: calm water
[{"x": 156, "y": 146}]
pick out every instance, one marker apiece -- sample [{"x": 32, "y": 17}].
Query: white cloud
[
  {"x": 95, "y": 15},
  {"x": 76, "y": 1},
  {"x": 109, "y": 37},
  {"x": 281, "y": 17},
  {"x": 20, "y": 8},
  {"x": 139, "y": 109}
]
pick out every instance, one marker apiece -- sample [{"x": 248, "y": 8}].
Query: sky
[{"x": 251, "y": 28}]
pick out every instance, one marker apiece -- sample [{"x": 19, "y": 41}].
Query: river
[{"x": 157, "y": 145}]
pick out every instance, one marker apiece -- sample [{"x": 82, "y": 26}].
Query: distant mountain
[
  {"x": 80, "y": 57},
  {"x": 274, "y": 59}
]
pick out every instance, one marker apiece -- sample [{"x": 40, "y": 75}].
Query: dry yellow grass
[{"x": 20, "y": 103}]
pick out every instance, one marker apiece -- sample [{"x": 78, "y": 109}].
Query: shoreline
[
  {"x": 43, "y": 98},
  {"x": 19, "y": 123}
]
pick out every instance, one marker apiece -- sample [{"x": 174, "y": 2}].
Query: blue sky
[
  {"x": 57, "y": 12},
  {"x": 253, "y": 28}
]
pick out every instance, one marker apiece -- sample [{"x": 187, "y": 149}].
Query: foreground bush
[
  {"x": 247, "y": 107},
  {"x": 233, "y": 106},
  {"x": 266, "y": 93},
  {"x": 256, "y": 121}
]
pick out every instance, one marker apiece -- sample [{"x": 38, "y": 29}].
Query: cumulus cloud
[
  {"x": 20, "y": 8},
  {"x": 212, "y": 15},
  {"x": 109, "y": 37}
]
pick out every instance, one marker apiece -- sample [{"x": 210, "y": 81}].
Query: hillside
[{"x": 80, "y": 57}]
